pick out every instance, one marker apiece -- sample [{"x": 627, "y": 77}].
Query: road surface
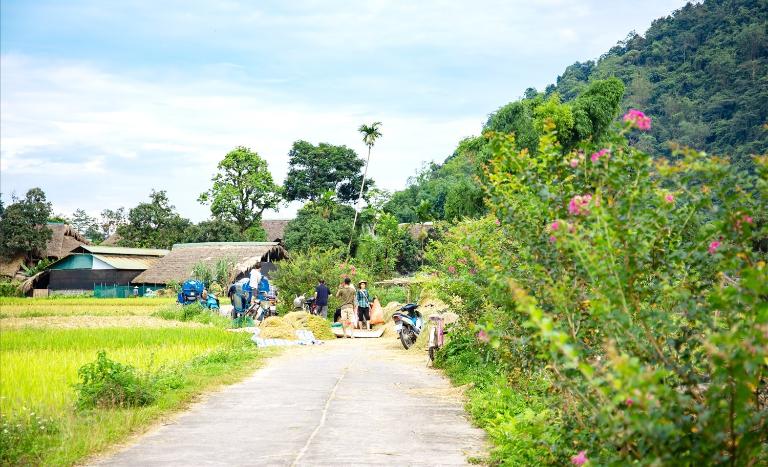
[{"x": 347, "y": 402}]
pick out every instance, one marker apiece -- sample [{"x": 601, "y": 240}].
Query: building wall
[
  {"x": 75, "y": 261},
  {"x": 84, "y": 279}
]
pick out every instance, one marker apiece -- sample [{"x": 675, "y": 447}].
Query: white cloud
[{"x": 109, "y": 139}]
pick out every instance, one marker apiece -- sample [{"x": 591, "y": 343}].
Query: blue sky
[{"x": 100, "y": 102}]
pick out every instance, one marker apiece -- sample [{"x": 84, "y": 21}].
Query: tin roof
[
  {"x": 115, "y": 250},
  {"x": 140, "y": 263}
]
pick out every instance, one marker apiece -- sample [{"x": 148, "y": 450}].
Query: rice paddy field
[{"x": 43, "y": 344}]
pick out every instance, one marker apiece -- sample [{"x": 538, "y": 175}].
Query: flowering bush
[{"x": 642, "y": 286}]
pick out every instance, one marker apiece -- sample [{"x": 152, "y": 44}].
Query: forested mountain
[{"x": 700, "y": 73}]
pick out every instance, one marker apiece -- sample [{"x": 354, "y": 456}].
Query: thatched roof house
[
  {"x": 275, "y": 229},
  {"x": 177, "y": 265},
  {"x": 418, "y": 230},
  {"x": 64, "y": 239},
  {"x": 112, "y": 240}
]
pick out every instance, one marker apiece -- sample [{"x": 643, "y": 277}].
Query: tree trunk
[{"x": 359, "y": 198}]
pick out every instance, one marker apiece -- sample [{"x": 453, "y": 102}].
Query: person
[
  {"x": 347, "y": 295},
  {"x": 238, "y": 293},
  {"x": 253, "y": 280},
  {"x": 363, "y": 304},
  {"x": 321, "y": 298}
]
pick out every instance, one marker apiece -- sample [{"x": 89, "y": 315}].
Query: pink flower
[
  {"x": 629, "y": 402},
  {"x": 670, "y": 198},
  {"x": 638, "y": 120},
  {"x": 596, "y": 156},
  {"x": 579, "y": 204},
  {"x": 555, "y": 225},
  {"x": 473, "y": 271},
  {"x": 580, "y": 458},
  {"x": 552, "y": 239},
  {"x": 498, "y": 222},
  {"x": 574, "y": 163},
  {"x": 483, "y": 336},
  {"x": 452, "y": 269},
  {"x": 713, "y": 247}
]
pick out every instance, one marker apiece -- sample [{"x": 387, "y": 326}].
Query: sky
[{"x": 101, "y": 102}]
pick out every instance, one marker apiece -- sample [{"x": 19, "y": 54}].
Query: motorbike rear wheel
[{"x": 407, "y": 337}]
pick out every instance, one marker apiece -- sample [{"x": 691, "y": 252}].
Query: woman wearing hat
[{"x": 363, "y": 303}]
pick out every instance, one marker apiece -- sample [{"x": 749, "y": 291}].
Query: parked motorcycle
[{"x": 408, "y": 324}]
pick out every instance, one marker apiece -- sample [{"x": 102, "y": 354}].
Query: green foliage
[
  {"x": 315, "y": 170},
  {"x": 449, "y": 191},
  {"x": 301, "y": 273},
  {"x": 242, "y": 189},
  {"x": 202, "y": 272},
  {"x": 39, "y": 267},
  {"x": 22, "y": 225},
  {"x": 105, "y": 383},
  {"x": 23, "y": 436},
  {"x": 380, "y": 250},
  {"x": 86, "y": 225},
  {"x": 153, "y": 225},
  {"x": 701, "y": 73},
  {"x": 516, "y": 412},
  {"x": 10, "y": 289},
  {"x": 321, "y": 224},
  {"x": 636, "y": 285}
]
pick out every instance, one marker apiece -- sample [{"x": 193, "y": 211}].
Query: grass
[
  {"x": 516, "y": 411},
  {"x": 40, "y": 368},
  {"x": 38, "y": 307}
]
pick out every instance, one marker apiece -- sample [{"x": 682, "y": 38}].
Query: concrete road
[{"x": 348, "y": 402}]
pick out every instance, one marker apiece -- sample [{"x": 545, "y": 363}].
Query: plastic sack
[{"x": 377, "y": 312}]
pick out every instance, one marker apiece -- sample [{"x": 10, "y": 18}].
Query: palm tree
[{"x": 370, "y": 134}]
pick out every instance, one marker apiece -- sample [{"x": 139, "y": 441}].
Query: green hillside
[{"x": 700, "y": 73}]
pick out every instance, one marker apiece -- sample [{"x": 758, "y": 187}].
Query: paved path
[{"x": 349, "y": 402}]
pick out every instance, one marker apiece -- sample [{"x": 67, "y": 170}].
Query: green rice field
[{"x": 39, "y": 370}]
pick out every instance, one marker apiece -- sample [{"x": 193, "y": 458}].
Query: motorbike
[
  {"x": 408, "y": 324},
  {"x": 309, "y": 306}
]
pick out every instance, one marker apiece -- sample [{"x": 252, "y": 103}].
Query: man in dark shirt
[{"x": 321, "y": 298}]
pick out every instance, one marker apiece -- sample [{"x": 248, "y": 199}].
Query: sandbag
[{"x": 377, "y": 313}]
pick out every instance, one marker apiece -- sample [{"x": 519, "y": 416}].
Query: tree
[
  {"x": 86, "y": 225},
  {"x": 314, "y": 170},
  {"x": 242, "y": 189},
  {"x": 370, "y": 134},
  {"x": 111, "y": 220},
  {"x": 319, "y": 226},
  {"x": 153, "y": 225},
  {"x": 22, "y": 225}
]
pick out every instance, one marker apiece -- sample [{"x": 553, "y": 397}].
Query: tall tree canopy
[
  {"x": 322, "y": 224},
  {"x": 155, "y": 224},
  {"x": 22, "y": 225},
  {"x": 242, "y": 189},
  {"x": 314, "y": 170}
]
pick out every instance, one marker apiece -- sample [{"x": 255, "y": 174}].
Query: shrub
[
  {"x": 24, "y": 435},
  {"x": 299, "y": 275},
  {"x": 635, "y": 284},
  {"x": 106, "y": 383},
  {"x": 10, "y": 289}
]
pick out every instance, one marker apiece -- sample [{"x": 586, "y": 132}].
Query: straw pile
[
  {"x": 300, "y": 320},
  {"x": 275, "y": 327}
]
